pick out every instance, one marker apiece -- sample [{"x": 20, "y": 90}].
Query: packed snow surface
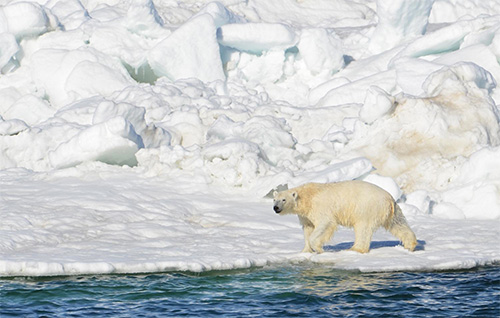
[{"x": 145, "y": 136}]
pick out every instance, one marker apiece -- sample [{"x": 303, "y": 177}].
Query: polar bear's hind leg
[{"x": 400, "y": 229}]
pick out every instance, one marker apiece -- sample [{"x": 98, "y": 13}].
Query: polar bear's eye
[{"x": 284, "y": 200}]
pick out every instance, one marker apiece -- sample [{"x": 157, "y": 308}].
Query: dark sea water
[{"x": 291, "y": 291}]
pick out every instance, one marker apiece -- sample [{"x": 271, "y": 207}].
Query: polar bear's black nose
[{"x": 277, "y": 209}]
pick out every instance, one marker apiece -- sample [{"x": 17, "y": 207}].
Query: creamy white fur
[{"x": 364, "y": 206}]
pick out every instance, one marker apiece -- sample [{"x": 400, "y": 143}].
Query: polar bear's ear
[
  {"x": 295, "y": 195},
  {"x": 275, "y": 194}
]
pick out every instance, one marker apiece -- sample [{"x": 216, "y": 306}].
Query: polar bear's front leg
[
  {"x": 308, "y": 229},
  {"x": 319, "y": 236}
]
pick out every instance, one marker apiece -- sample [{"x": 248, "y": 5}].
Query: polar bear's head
[{"x": 285, "y": 201}]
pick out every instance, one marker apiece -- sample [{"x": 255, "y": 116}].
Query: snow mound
[{"x": 457, "y": 119}]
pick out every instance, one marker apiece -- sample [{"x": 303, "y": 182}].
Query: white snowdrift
[{"x": 121, "y": 222}]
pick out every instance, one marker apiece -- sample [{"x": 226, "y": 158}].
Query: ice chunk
[
  {"x": 483, "y": 35},
  {"x": 69, "y": 75},
  {"x": 186, "y": 128},
  {"x": 462, "y": 73},
  {"x": 8, "y": 51},
  {"x": 264, "y": 68},
  {"x": 269, "y": 133},
  {"x": 386, "y": 183},
  {"x": 478, "y": 54},
  {"x": 411, "y": 74},
  {"x": 355, "y": 92},
  {"x": 142, "y": 18},
  {"x": 220, "y": 14},
  {"x": 257, "y": 37},
  {"x": 419, "y": 199},
  {"x": 446, "y": 39},
  {"x": 113, "y": 142},
  {"x": 328, "y": 14},
  {"x": 318, "y": 92},
  {"x": 151, "y": 136},
  {"x": 8, "y": 95},
  {"x": 24, "y": 19},
  {"x": 190, "y": 51},
  {"x": 235, "y": 162},
  {"x": 107, "y": 110},
  {"x": 495, "y": 45},
  {"x": 481, "y": 167},
  {"x": 449, "y": 11},
  {"x": 80, "y": 112},
  {"x": 30, "y": 109},
  {"x": 399, "y": 21},
  {"x": 12, "y": 126},
  {"x": 70, "y": 13},
  {"x": 90, "y": 78},
  {"x": 322, "y": 51},
  {"x": 349, "y": 85},
  {"x": 377, "y": 104}
]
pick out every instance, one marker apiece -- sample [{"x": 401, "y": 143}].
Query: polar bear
[{"x": 358, "y": 204}]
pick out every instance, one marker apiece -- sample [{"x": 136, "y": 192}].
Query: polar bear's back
[{"x": 348, "y": 202}]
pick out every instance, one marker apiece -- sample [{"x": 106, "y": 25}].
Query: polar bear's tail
[
  {"x": 400, "y": 228},
  {"x": 394, "y": 207}
]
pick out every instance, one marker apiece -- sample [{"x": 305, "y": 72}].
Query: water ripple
[{"x": 301, "y": 291}]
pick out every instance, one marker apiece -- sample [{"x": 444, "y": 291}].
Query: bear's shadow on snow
[{"x": 374, "y": 245}]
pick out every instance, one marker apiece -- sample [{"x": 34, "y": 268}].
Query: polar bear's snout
[{"x": 277, "y": 208}]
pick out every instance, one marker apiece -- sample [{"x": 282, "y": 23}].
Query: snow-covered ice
[{"x": 145, "y": 136}]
